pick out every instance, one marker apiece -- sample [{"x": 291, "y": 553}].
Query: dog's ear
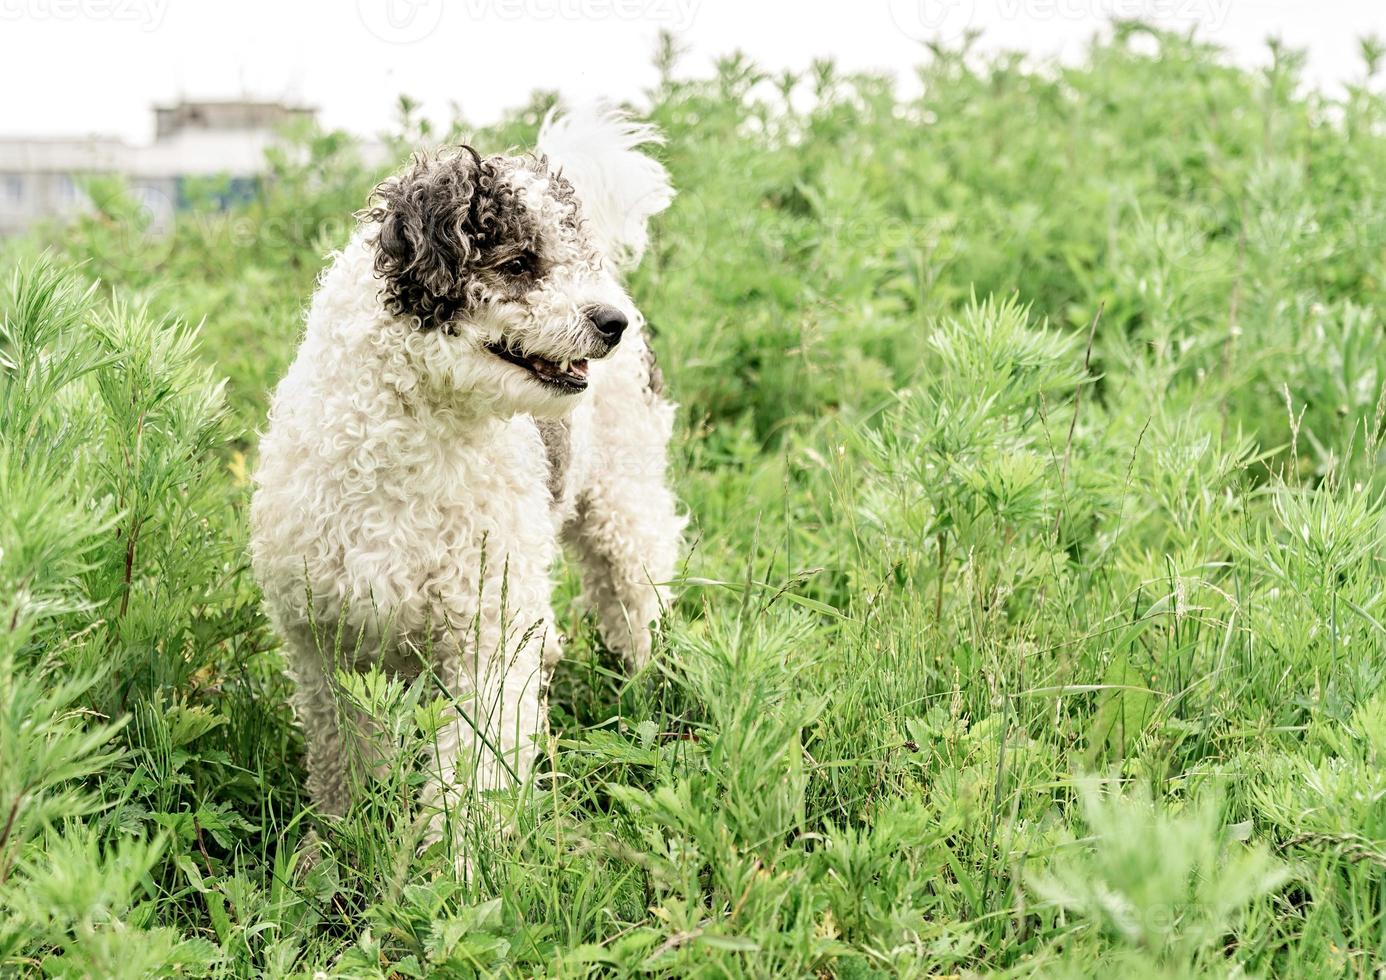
[{"x": 425, "y": 246}]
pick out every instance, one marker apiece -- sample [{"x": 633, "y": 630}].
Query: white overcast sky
[{"x": 95, "y": 66}]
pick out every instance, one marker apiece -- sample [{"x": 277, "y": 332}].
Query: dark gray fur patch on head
[
  {"x": 451, "y": 228},
  {"x": 558, "y": 448}
]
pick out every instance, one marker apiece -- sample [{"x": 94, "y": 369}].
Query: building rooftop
[
  {"x": 225, "y": 115},
  {"x": 193, "y": 138}
]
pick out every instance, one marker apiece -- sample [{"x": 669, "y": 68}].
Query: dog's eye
[{"x": 520, "y": 265}]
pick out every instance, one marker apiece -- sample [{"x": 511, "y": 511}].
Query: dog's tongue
[{"x": 576, "y": 370}]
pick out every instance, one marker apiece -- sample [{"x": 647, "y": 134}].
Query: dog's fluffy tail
[{"x": 596, "y": 148}]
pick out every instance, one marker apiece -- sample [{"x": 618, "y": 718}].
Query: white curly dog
[{"x": 474, "y": 388}]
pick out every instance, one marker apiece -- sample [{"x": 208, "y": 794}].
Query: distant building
[{"x": 42, "y": 178}]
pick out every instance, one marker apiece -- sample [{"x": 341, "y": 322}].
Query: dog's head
[
  {"x": 493, "y": 255},
  {"x": 495, "y": 262}
]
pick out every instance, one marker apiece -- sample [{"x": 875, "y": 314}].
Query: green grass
[{"x": 1033, "y": 622}]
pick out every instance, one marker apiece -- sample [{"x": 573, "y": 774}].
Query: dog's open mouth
[{"x": 569, "y": 376}]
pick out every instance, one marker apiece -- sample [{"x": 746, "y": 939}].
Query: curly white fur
[
  {"x": 621, "y": 189},
  {"x": 407, "y": 509}
]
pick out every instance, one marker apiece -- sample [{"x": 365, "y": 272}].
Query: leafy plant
[{"x": 1016, "y": 452}]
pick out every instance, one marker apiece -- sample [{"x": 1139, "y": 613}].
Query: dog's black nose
[{"x": 608, "y": 321}]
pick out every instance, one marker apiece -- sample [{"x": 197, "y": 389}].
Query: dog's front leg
[
  {"x": 341, "y": 741},
  {"x": 495, "y": 716},
  {"x": 626, "y": 537}
]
